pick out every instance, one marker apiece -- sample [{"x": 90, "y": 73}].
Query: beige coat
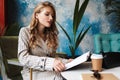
[{"x": 35, "y": 58}]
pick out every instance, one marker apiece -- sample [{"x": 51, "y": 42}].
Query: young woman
[{"x": 38, "y": 42}]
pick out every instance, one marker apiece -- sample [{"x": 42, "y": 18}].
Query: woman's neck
[
  {"x": 41, "y": 29},
  {"x": 41, "y": 32}
]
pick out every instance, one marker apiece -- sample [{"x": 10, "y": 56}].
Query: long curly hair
[{"x": 50, "y": 33}]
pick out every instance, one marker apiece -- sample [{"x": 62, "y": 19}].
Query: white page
[{"x": 78, "y": 60}]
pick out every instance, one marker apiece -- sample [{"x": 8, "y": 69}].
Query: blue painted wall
[{"x": 20, "y": 11}]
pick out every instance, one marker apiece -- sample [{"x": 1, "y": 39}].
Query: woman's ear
[{"x": 36, "y": 15}]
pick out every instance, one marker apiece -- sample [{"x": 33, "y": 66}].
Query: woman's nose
[{"x": 50, "y": 17}]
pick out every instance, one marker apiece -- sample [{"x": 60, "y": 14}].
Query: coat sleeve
[{"x": 31, "y": 61}]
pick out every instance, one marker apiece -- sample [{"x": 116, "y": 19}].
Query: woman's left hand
[
  {"x": 69, "y": 60},
  {"x": 58, "y": 65}
]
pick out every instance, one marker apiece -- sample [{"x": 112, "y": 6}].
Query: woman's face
[{"x": 45, "y": 17}]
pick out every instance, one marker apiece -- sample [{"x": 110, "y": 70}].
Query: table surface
[{"x": 75, "y": 72}]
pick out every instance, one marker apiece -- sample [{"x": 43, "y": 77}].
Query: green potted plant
[
  {"x": 78, "y": 14},
  {"x": 113, "y": 7}
]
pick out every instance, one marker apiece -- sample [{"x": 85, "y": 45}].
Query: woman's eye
[
  {"x": 47, "y": 14},
  {"x": 52, "y": 16}
]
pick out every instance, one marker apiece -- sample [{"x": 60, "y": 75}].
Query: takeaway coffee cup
[{"x": 97, "y": 62}]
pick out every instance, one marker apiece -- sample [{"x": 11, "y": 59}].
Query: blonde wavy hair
[{"x": 51, "y": 33}]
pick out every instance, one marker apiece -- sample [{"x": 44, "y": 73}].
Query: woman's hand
[
  {"x": 69, "y": 60},
  {"x": 58, "y": 65}
]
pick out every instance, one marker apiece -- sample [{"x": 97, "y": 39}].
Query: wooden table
[{"x": 75, "y": 73}]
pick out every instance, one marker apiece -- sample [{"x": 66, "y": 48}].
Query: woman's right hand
[{"x": 58, "y": 65}]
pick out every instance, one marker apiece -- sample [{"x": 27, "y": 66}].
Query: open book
[{"x": 78, "y": 60}]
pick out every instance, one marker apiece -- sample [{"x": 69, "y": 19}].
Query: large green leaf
[
  {"x": 77, "y": 40},
  {"x": 81, "y": 36},
  {"x": 79, "y": 16},
  {"x": 75, "y": 15},
  {"x": 72, "y": 50},
  {"x": 81, "y": 13},
  {"x": 65, "y": 32}
]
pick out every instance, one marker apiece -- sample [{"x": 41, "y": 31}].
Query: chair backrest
[
  {"x": 107, "y": 43},
  {"x": 9, "y": 46}
]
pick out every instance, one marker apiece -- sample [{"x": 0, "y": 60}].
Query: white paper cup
[{"x": 97, "y": 62}]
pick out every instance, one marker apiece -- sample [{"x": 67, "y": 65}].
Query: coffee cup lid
[{"x": 96, "y": 56}]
